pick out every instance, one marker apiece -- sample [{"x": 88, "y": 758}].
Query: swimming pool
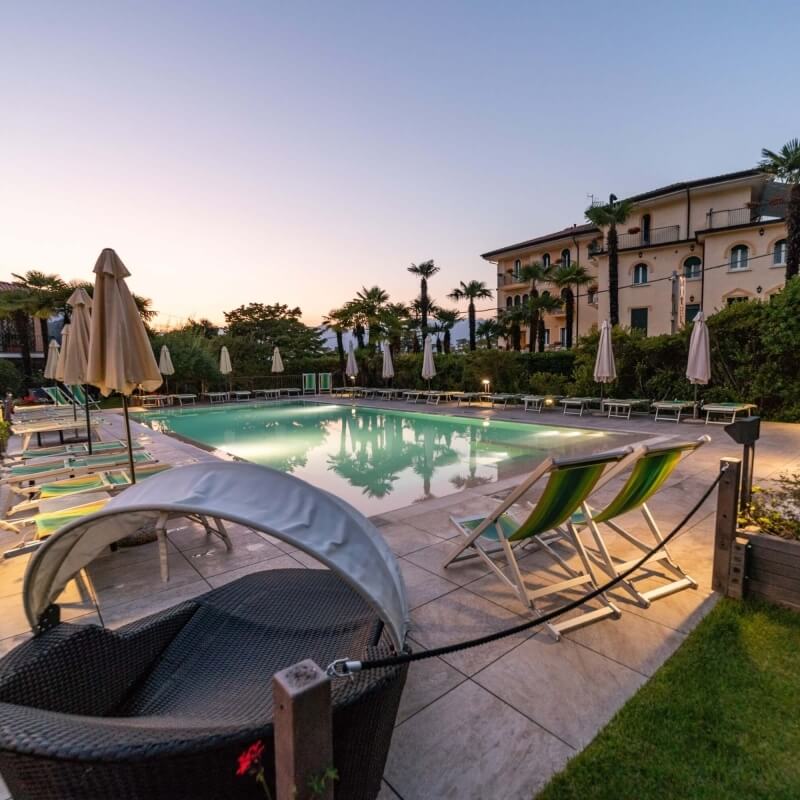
[{"x": 375, "y": 459}]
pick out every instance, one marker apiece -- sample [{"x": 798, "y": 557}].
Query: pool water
[{"x": 375, "y": 459}]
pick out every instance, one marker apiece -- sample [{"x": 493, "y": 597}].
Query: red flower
[{"x": 250, "y": 758}]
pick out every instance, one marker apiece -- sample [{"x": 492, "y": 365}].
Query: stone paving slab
[{"x": 495, "y": 721}]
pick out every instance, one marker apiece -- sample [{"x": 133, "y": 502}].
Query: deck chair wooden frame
[
  {"x": 652, "y": 465},
  {"x": 569, "y": 483}
]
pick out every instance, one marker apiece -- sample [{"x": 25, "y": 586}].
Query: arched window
[
  {"x": 691, "y": 267},
  {"x": 739, "y": 256},
  {"x": 516, "y": 300},
  {"x": 640, "y": 274},
  {"x": 524, "y": 299},
  {"x": 779, "y": 253},
  {"x": 546, "y": 260},
  {"x": 517, "y": 267},
  {"x": 565, "y": 258},
  {"x": 509, "y": 301},
  {"x": 545, "y": 293}
]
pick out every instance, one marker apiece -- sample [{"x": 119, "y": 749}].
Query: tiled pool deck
[{"x": 496, "y": 721}]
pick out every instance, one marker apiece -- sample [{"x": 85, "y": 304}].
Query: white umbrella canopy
[
  {"x": 120, "y": 355},
  {"x": 428, "y": 367},
  {"x": 388, "y": 368},
  {"x": 352, "y": 367},
  {"x": 62, "y": 356},
  {"x": 698, "y": 366},
  {"x": 76, "y": 358},
  {"x": 225, "y": 366},
  {"x": 277, "y": 361},
  {"x": 605, "y": 370},
  {"x": 52, "y": 360},
  {"x": 165, "y": 366}
]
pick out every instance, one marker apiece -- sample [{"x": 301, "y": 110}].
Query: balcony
[
  {"x": 749, "y": 215},
  {"x": 628, "y": 241},
  {"x": 509, "y": 279}
]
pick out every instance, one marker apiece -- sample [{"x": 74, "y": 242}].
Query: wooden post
[
  {"x": 726, "y": 523},
  {"x": 303, "y": 732}
]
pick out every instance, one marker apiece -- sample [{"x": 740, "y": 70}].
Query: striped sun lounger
[
  {"x": 727, "y": 411},
  {"x": 69, "y": 467},
  {"x": 671, "y": 410}
]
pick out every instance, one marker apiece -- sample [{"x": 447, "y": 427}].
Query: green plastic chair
[
  {"x": 325, "y": 380},
  {"x": 653, "y": 466},
  {"x": 309, "y": 383},
  {"x": 570, "y": 481}
]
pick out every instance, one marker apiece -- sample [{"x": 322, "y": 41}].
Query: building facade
[{"x": 685, "y": 247}]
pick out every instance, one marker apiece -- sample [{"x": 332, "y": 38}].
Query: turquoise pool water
[{"x": 377, "y": 460}]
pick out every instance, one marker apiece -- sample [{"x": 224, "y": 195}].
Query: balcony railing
[
  {"x": 509, "y": 279},
  {"x": 663, "y": 235},
  {"x": 729, "y": 217}
]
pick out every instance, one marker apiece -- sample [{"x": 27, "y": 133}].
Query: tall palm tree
[
  {"x": 353, "y": 319},
  {"x": 424, "y": 270},
  {"x": 335, "y": 321},
  {"x": 535, "y": 273},
  {"x": 565, "y": 277},
  {"x": 609, "y": 216},
  {"x": 447, "y": 318},
  {"x": 472, "y": 291},
  {"x": 536, "y": 308},
  {"x": 785, "y": 166},
  {"x": 19, "y": 306},
  {"x": 489, "y": 330},
  {"x": 370, "y": 303},
  {"x": 394, "y": 322},
  {"x": 515, "y": 317},
  {"x": 49, "y": 295}
]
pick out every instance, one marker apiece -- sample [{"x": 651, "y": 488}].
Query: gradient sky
[{"x": 291, "y": 152}]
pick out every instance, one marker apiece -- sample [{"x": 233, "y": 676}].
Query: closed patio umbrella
[
  {"x": 225, "y": 366},
  {"x": 698, "y": 366},
  {"x": 52, "y": 360},
  {"x": 351, "y": 370},
  {"x": 62, "y": 360},
  {"x": 77, "y": 353},
  {"x": 277, "y": 361},
  {"x": 120, "y": 355},
  {"x": 388, "y": 368},
  {"x": 605, "y": 371},
  {"x": 165, "y": 366},
  {"x": 428, "y": 367}
]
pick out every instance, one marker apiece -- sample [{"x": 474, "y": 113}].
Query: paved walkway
[{"x": 495, "y": 721}]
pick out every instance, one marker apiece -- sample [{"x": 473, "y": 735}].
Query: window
[
  {"x": 565, "y": 258},
  {"x": 517, "y": 267},
  {"x": 779, "y": 253},
  {"x": 639, "y": 320},
  {"x": 562, "y": 336},
  {"x": 547, "y": 337},
  {"x": 691, "y": 269},
  {"x": 546, "y": 260},
  {"x": 640, "y": 274},
  {"x": 736, "y": 299},
  {"x": 645, "y": 229},
  {"x": 509, "y": 301},
  {"x": 692, "y": 309},
  {"x": 739, "y": 256},
  {"x": 516, "y": 299},
  {"x": 524, "y": 299},
  {"x": 591, "y": 297}
]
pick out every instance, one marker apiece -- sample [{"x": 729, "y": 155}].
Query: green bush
[{"x": 10, "y": 379}]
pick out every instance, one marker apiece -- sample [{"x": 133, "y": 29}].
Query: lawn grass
[{"x": 721, "y": 719}]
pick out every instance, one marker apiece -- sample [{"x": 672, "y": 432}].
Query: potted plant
[{"x": 634, "y": 229}]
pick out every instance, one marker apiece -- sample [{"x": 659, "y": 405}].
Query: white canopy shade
[
  {"x": 698, "y": 367},
  {"x": 120, "y": 355},
  {"x": 388, "y": 367},
  {"x": 62, "y": 356},
  {"x": 277, "y": 361},
  {"x": 428, "y": 367},
  {"x": 352, "y": 367},
  {"x": 225, "y": 366},
  {"x": 52, "y": 360},
  {"x": 76, "y": 355},
  {"x": 605, "y": 370},
  {"x": 165, "y": 366},
  {"x": 314, "y": 521}
]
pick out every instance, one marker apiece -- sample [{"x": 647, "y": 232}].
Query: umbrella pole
[
  {"x": 694, "y": 409},
  {"x": 128, "y": 433},
  {"x": 88, "y": 423}
]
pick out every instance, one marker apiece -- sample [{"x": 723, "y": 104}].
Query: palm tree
[
  {"x": 489, "y": 330},
  {"x": 785, "y": 166},
  {"x": 369, "y": 304},
  {"x": 19, "y": 305},
  {"x": 447, "y": 318},
  {"x": 353, "y": 319},
  {"x": 472, "y": 291},
  {"x": 424, "y": 270},
  {"x": 515, "y": 317},
  {"x": 609, "y": 216},
  {"x": 535, "y": 273},
  {"x": 545, "y": 304},
  {"x": 49, "y": 294},
  {"x": 335, "y": 322},
  {"x": 565, "y": 277},
  {"x": 394, "y": 322}
]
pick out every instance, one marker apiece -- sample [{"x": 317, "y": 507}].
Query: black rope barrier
[{"x": 345, "y": 666}]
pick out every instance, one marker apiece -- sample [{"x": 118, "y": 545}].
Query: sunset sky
[{"x": 291, "y": 152}]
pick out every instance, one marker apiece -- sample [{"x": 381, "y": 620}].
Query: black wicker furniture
[{"x": 163, "y": 707}]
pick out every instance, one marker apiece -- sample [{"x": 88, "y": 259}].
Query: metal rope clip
[{"x": 343, "y": 667}]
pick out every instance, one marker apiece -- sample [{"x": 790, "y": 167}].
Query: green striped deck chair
[
  {"x": 49, "y": 522},
  {"x": 67, "y": 450},
  {"x": 80, "y": 397},
  {"x": 493, "y": 537},
  {"x": 84, "y": 465},
  {"x": 652, "y": 467},
  {"x": 325, "y": 380},
  {"x": 110, "y": 481},
  {"x": 57, "y": 395},
  {"x": 309, "y": 383}
]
